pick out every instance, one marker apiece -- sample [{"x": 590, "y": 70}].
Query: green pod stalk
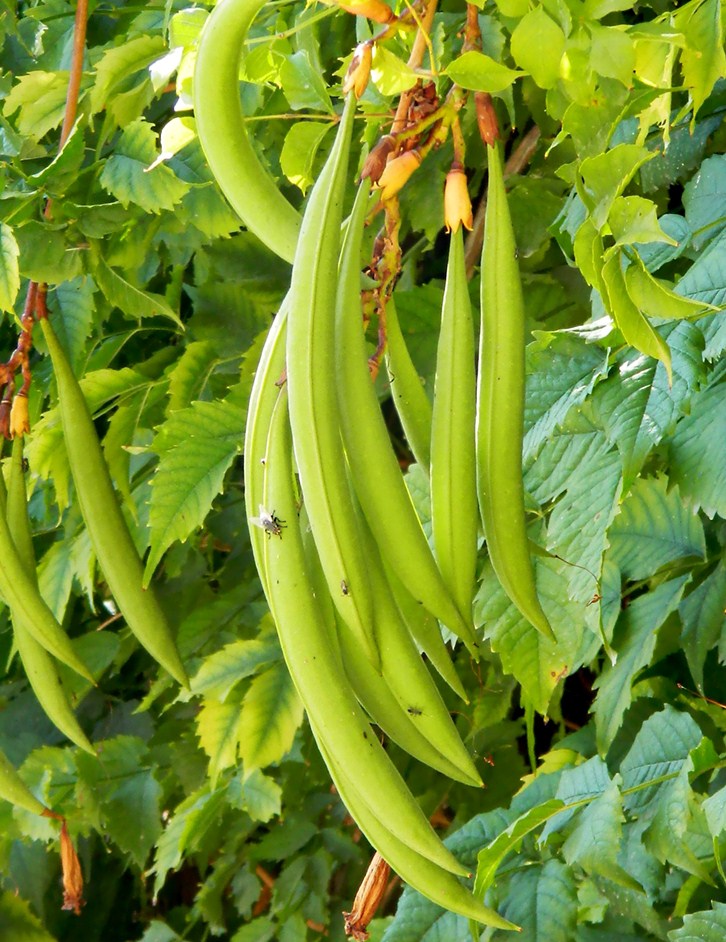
[
  {"x": 314, "y": 662},
  {"x": 417, "y": 870},
  {"x": 409, "y": 397},
  {"x": 500, "y": 405},
  {"x": 107, "y": 528},
  {"x": 19, "y": 589},
  {"x": 223, "y": 132},
  {"x": 374, "y": 469},
  {"x": 454, "y": 512},
  {"x": 37, "y": 663},
  {"x": 314, "y": 416},
  {"x": 14, "y": 789}
]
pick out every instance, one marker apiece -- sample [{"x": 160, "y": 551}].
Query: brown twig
[
  {"x": 418, "y": 49},
  {"x": 518, "y": 160}
]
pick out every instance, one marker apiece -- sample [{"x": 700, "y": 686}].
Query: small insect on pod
[{"x": 270, "y": 523}]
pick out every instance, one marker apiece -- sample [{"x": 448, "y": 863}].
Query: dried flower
[
  {"x": 367, "y": 899},
  {"x": 396, "y": 173},
  {"x": 19, "y": 416},
  {"x": 457, "y": 205},
  {"x": 375, "y": 162},
  {"x": 359, "y": 70},
  {"x": 486, "y": 118},
  {"x": 72, "y": 876}
]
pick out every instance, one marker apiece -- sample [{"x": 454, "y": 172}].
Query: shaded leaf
[
  {"x": 703, "y": 614},
  {"x": 543, "y": 901},
  {"x": 271, "y": 714},
  {"x": 130, "y": 299},
  {"x": 18, "y": 923},
  {"x": 9, "y": 271},
  {"x": 698, "y": 453},
  {"x": 706, "y": 926}
]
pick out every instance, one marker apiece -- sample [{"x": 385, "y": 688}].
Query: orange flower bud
[
  {"x": 372, "y": 9},
  {"x": 457, "y": 205},
  {"x": 359, "y": 70},
  {"x": 19, "y": 416},
  {"x": 396, "y": 173},
  {"x": 486, "y": 118}
]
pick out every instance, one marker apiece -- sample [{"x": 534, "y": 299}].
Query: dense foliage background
[{"x": 210, "y": 813}]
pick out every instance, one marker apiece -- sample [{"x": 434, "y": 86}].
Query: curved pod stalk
[
  {"x": 500, "y": 405},
  {"x": 39, "y": 666},
  {"x": 223, "y": 131},
  {"x": 315, "y": 666},
  {"x": 107, "y": 528},
  {"x": 374, "y": 468},
  {"x": 454, "y": 514},
  {"x": 314, "y": 416}
]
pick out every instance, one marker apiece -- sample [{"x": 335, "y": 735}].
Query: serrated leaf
[
  {"x": 271, "y": 714},
  {"x": 561, "y": 372},
  {"x": 703, "y": 614},
  {"x": 132, "y": 813},
  {"x": 218, "y": 730},
  {"x": 706, "y": 926},
  {"x": 639, "y": 624},
  {"x": 222, "y": 671},
  {"x": 481, "y": 73},
  {"x": 491, "y": 856},
  {"x": 702, "y": 199},
  {"x": 576, "y": 786},
  {"x": 120, "y": 63},
  {"x": 55, "y": 578},
  {"x": 76, "y": 302},
  {"x": 703, "y": 61},
  {"x": 125, "y": 174},
  {"x": 189, "y": 377},
  {"x": 659, "y": 751},
  {"x": 196, "y": 446},
  {"x": 715, "y": 810},
  {"x": 538, "y": 44},
  {"x": 122, "y": 294},
  {"x": 653, "y": 528},
  {"x": 705, "y": 280},
  {"x": 9, "y": 269},
  {"x": 667, "y": 834},
  {"x": 65, "y": 165},
  {"x": 260, "y": 796},
  {"x": 698, "y": 459},
  {"x": 543, "y": 901},
  {"x": 41, "y": 98},
  {"x": 18, "y": 923}
]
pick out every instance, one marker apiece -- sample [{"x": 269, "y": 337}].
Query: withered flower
[
  {"x": 367, "y": 899},
  {"x": 375, "y": 162},
  {"x": 457, "y": 205},
  {"x": 397, "y": 172},
  {"x": 72, "y": 876},
  {"x": 359, "y": 71}
]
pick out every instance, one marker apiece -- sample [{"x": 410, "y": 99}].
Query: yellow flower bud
[
  {"x": 359, "y": 70},
  {"x": 372, "y": 9},
  {"x": 457, "y": 205},
  {"x": 19, "y": 416},
  {"x": 396, "y": 173}
]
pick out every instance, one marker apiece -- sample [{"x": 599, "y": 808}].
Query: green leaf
[
  {"x": 703, "y": 614},
  {"x": 9, "y": 271},
  {"x": 41, "y": 98},
  {"x": 125, "y": 174},
  {"x": 218, "y": 728},
  {"x": 189, "y": 377},
  {"x": 655, "y": 298},
  {"x": 703, "y": 61},
  {"x": 390, "y": 74},
  {"x": 715, "y": 810},
  {"x": 158, "y": 931},
  {"x": 612, "y": 52},
  {"x": 118, "y": 64},
  {"x": 481, "y": 73},
  {"x": 45, "y": 255},
  {"x": 18, "y": 923},
  {"x": 538, "y": 44},
  {"x": 561, "y": 372},
  {"x": 303, "y": 85},
  {"x": 491, "y": 856},
  {"x": 632, "y": 324},
  {"x": 698, "y": 462},
  {"x": 543, "y": 901},
  {"x": 196, "y": 446},
  {"x": 76, "y": 301},
  {"x": 576, "y": 786},
  {"x": 702, "y": 200},
  {"x": 654, "y": 528},
  {"x": 299, "y": 151},
  {"x": 122, "y": 294},
  {"x": 271, "y": 714},
  {"x": 635, "y": 219},
  {"x": 706, "y": 926},
  {"x": 638, "y": 626},
  {"x": 658, "y": 753},
  {"x": 222, "y": 671},
  {"x": 606, "y": 176},
  {"x": 677, "y": 813},
  {"x": 257, "y": 794},
  {"x": 132, "y": 812}
]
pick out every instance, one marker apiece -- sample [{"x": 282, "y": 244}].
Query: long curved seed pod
[
  {"x": 409, "y": 397},
  {"x": 37, "y": 663},
  {"x": 425, "y": 631},
  {"x": 374, "y": 469},
  {"x": 109, "y": 533},
  {"x": 314, "y": 416},
  {"x": 25, "y": 602},
  {"x": 399, "y": 722},
  {"x": 14, "y": 789},
  {"x": 415, "y": 869},
  {"x": 223, "y": 131},
  {"x": 500, "y": 405},
  {"x": 315, "y": 665},
  {"x": 454, "y": 513}
]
